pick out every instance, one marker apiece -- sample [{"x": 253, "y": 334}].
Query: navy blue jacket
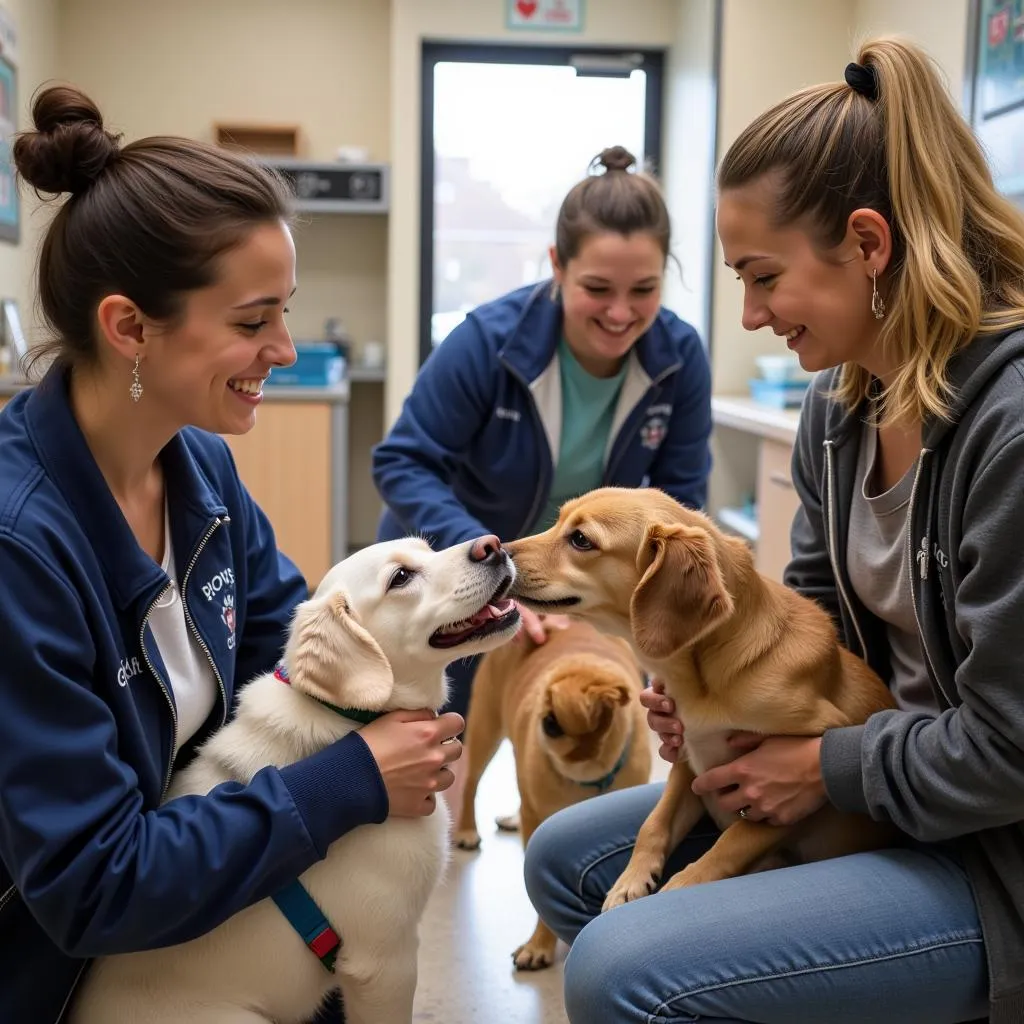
[
  {"x": 90, "y": 862},
  {"x": 474, "y": 448}
]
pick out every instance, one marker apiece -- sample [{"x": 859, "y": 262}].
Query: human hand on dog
[
  {"x": 661, "y": 719},
  {"x": 779, "y": 782},
  {"x": 536, "y": 626},
  {"x": 413, "y": 750}
]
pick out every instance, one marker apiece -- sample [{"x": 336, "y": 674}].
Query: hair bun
[
  {"x": 615, "y": 158},
  {"x": 69, "y": 148}
]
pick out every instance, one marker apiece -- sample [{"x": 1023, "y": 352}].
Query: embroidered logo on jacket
[
  {"x": 653, "y": 432},
  {"x": 225, "y": 578},
  {"x": 508, "y": 414},
  {"x": 227, "y": 616},
  {"x": 129, "y": 669}
]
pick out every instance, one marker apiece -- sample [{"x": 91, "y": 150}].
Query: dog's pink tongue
[{"x": 488, "y": 612}]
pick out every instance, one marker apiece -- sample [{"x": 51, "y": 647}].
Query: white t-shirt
[{"x": 189, "y": 672}]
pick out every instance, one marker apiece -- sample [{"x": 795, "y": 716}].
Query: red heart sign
[{"x": 526, "y": 8}]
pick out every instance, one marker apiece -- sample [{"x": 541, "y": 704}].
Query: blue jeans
[{"x": 875, "y": 938}]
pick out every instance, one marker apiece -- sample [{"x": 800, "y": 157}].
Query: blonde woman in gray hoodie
[{"x": 863, "y": 222}]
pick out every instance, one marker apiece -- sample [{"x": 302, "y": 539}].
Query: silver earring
[
  {"x": 877, "y": 303},
  {"x": 135, "y": 391}
]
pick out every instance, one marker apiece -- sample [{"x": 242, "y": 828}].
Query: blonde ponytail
[{"x": 958, "y": 245}]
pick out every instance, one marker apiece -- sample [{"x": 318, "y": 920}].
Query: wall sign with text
[{"x": 545, "y": 15}]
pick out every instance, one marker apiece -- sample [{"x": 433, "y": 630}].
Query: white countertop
[{"x": 741, "y": 412}]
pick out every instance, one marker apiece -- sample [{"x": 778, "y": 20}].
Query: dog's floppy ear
[
  {"x": 681, "y": 594},
  {"x": 332, "y": 657}
]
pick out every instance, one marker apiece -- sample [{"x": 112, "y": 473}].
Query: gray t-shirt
[{"x": 879, "y": 563}]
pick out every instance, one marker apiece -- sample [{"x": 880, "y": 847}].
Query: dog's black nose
[{"x": 487, "y": 550}]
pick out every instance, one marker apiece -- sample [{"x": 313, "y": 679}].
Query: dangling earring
[
  {"x": 877, "y": 303},
  {"x": 135, "y": 391}
]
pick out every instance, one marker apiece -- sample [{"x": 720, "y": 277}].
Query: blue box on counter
[
  {"x": 778, "y": 394},
  {"x": 318, "y": 364}
]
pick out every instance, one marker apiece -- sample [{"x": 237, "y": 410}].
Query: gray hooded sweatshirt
[{"x": 958, "y": 777}]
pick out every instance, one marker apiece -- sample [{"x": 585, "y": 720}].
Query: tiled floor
[{"x": 475, "y": 920}]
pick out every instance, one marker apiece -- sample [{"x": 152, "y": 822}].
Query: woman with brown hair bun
[
  {"x": 556, "y": 388},
  {"x": 142, "y": 585}
]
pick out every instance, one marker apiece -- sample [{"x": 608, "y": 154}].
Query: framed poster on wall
[
  {"x": 9, "y": 207},
  {"x": 995, "y": 88}
]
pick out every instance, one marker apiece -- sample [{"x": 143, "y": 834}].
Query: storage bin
[
  {"x": 318, "y": 364},
  {"x": 778, "y": 394}
]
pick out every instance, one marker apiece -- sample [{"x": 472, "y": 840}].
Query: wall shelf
[{"x": 336, "y": 187}]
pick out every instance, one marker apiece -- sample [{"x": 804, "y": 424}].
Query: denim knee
[{"x": 602, "y": 983}]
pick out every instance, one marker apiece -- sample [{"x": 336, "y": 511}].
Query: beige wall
[
  {"x": 156, "y": 67},
  {"x": 689, "y": 158},
  {"x": 756, "y": 71},
  {"x": 608, "y": 22},
  {"x": 179, "y": 65},
  {"x": 941, "y": 28},
  {"x": 36, "y": 22}
]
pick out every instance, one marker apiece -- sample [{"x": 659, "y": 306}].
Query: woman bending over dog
[
  {"x": 863, "y": 222},
  {"x": 556, "y": 388},
  {"x": 142, "y": 586}
]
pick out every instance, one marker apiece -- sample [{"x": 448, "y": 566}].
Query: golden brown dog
[
  {"x": 736, "y": 652},
  {"x": 570, "y": 709}
]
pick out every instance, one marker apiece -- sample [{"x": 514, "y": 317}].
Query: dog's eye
[
  {"x": 400, "y": 577},
  {"x": 579, "y": 540},
  {"x": 551, "y": 727}
]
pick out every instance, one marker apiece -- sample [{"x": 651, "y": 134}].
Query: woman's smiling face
[
  {"x": 819, "y": 302},
  {"x": 611, "y": 294},
  {"x": 208, "y": 369}
]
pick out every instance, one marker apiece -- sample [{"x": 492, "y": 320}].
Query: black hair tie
[{"x": 863, "y": 80}]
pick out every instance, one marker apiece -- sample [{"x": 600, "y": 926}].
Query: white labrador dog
[{"x": 376, "y": 635}]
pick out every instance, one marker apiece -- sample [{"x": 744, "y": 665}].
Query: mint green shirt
[{"x": 588, "y": 408}]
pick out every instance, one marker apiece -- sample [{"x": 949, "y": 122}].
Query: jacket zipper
[
  {"x": 921, "y": 559},
  {"x": 538, "y": 498},
  {"x": 149, "y": 664},
  {"x": 613, "y": 465},
  {"x": 7, "y": 897},
  {"x": 191, "y": 623},
  {"x": 163, "y": 686},
  {"x": 832, "y": 544}
]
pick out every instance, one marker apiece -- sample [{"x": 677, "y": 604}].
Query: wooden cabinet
[
  {"x": 286, "y": 462},
  {"x": 777, "y": 503}
]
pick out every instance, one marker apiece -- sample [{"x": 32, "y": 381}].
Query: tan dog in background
[
  {"x": 569, "y": 707},
  {"x": 736, "y": 652}
]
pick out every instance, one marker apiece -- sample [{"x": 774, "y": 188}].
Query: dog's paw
[
  {"x": 533, "y": 956},
  {"x": 466, "y": 839},
  {"x": 696, "y": 873},
  {"x": 508, "y": 822},
  {"x": 632, "y": 885}
]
